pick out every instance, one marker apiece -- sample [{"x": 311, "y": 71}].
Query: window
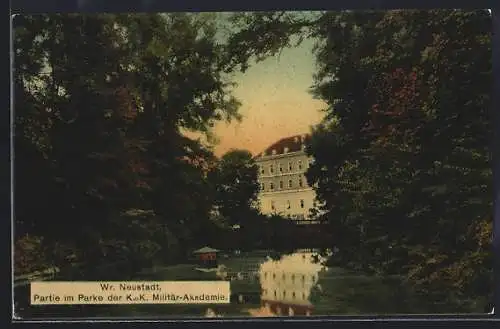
[
  {"x": 275, "y": 294},
  {"x": 281, "y": 184},
  {"x": 272, "y": 205},
  {"x": 301, "y": 203},
  {"x": 283, "y": 276},
  {"x": 303, "y": 296},
  {"x": 265, "y": 275},
  {"x": 271, "y": 186},
  {"x": 274, "y": 275},
  {"x": 273, "y": 152},
  {"x": 284, "y": 294},
  {"x": 262, "y": 186},
  {"x": 300, "y": 182},
  {"x": 288, "y": 206},
  {"x": 300, "y": 164},
  {"x": 293, "y": 295},
  {"x": 290, "y": 183},
  {"x": 262, "y": 170},
  {"x": 293, "y": 278},
  {"x": 280, "y": 168},
  {"x": 271, "y": 169},
  {"x": 285, "y": 150},
  {"x": 290, "y": 166}
]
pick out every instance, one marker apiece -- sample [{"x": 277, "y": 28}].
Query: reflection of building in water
[
  {"x": 283, "y": 185},
  {"x": 287, "y": 283}
]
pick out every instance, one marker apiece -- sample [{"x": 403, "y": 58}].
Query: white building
[{"x": 283, "y": 185}]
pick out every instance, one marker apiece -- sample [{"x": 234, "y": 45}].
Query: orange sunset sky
[{"x": 275, "y": 102}]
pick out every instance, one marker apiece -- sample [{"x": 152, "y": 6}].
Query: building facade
[{"x": 283, "y": 186}]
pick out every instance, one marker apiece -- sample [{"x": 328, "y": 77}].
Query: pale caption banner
[{"x": 130, "y": 292}]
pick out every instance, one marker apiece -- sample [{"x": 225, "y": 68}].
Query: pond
[{"x": 268, "y": 284}]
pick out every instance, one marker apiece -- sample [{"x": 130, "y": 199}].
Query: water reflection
[{"x": 286, "y": 284}]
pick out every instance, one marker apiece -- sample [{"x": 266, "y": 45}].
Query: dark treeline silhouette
[{"x": 274, "y": 234}]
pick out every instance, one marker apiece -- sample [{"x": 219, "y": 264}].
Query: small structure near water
[{"x": 207, "y": 257}]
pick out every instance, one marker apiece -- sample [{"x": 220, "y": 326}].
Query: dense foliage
[
  {"x": 407, "y": 174},
  {"x": 236, "y": 187},
  {"x": 102, "y": 163}
]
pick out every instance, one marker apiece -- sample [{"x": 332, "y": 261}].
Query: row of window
[
  {"x": 292, "y": 277},
  {"x": 300, "y": 183},
  {"x": 294, "y": 295},
  {"x": 288, "y": 205},
  {"x": 281, "y": 169}
]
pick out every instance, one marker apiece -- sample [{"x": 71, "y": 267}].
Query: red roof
[{"x": 292, "y": 144}]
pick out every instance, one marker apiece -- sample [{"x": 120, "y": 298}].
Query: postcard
[{"x": 252, "y": 164}]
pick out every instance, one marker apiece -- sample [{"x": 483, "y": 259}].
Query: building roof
[
  {"x": 298, "y": 263},
  {"x": 288, "y": 144},
  {"x": 205, "y": 250}
]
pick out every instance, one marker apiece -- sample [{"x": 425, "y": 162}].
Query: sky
[{"x": 276, "y": 102}]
